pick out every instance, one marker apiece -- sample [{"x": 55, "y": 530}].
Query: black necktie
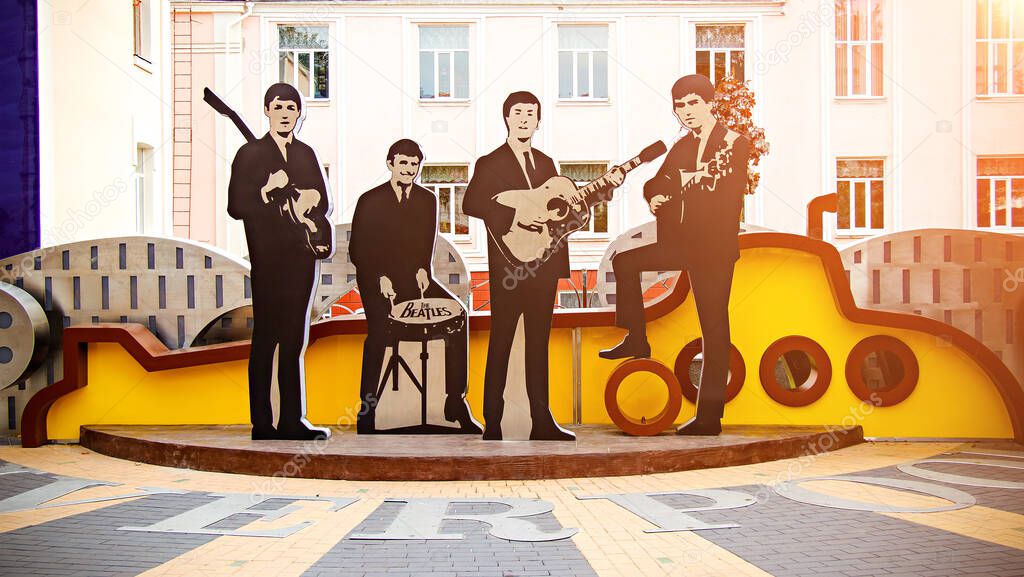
[{"x": 531, "y": 170}]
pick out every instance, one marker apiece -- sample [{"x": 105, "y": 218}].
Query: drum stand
[{"x": 396, "y": 361}]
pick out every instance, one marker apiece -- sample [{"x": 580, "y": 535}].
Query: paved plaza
[{"x": 65, "y": 510}]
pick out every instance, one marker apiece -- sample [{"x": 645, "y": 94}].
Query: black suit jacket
[
  {"x": 273, "y": 240},
  {"x": 393, "y": 240},
  {"x": 493, "y": 174},
  {"x": 709, "y": 229}
]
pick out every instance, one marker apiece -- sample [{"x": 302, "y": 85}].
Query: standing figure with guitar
[
  {"x": 277, "y": 189},
  {"x": 696, "y": 197},
  {"x": 501, "y": 193}
]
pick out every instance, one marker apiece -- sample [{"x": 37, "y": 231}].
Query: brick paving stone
[{"x": 478, "y": 555}]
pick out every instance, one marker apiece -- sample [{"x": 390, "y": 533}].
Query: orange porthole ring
[
  {"x": 879, "y": 343},
  {"x": 810, "y": 391},
  {"x": 669, "y": 412},
  {"x": 737, "y": 371}
]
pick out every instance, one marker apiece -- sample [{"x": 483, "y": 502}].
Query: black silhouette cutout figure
[
  {"x": 392, "y": 246},
  {"x": 518, "y": 289},
  {"x": 696, "y": 197},
  {"x": 277, "y": 189}
]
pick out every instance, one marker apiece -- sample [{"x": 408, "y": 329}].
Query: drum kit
[{"x": 419, "y": 320}]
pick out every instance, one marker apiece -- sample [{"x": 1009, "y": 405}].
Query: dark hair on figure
[
  {"x": 521, "y": 97},
  {"x": 405, "y": 147},
  {"x": 284, "y": 92},
  {"x": 694, "y": 84}
]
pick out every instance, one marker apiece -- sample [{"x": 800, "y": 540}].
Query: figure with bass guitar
[
  {"x": 278, "y": 190},
  {"x": 696, "y": 197}
]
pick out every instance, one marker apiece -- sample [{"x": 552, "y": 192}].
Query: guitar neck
[{"x": 591, "y": 192}]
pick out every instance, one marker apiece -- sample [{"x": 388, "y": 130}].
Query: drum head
[{"x": 426, "y": 311}]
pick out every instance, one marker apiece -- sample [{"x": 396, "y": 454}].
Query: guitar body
[
  {"x": 546, "y": 215},
  {"x": 551, "y": 202}
]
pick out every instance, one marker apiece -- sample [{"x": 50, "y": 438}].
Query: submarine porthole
[
  {"x": 795, "y": 371},
  {"x": 882, "y": 370},
  {"x": 690, "y": 362}
]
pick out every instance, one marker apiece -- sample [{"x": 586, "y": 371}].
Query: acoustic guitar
[
  {"x": 297, "y": 207},
  {"x": 546, "y": 215}
]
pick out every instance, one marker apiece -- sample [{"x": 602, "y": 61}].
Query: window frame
[
  {"x": 1008, "y": 179},
  {"x": 590, "y": 63},
  {"x": 436, "y": 187},
  {"x": 867, "y": 229},
  {"x": 436, "y": 59},
  {"x": 310, "y": 98},
  {"x": 589, "y": 233},
  {"x": 727, "y": 51},
  {"x": 990, "y": 45},
  {"x": 849, "y": 45}
]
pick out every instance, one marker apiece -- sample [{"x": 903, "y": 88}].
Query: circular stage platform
[{"x": 600, "y": 451}]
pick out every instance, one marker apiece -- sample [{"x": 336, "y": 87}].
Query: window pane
[
  {"x": 444, "y": 37},
  {"x": 583, "y": 37},
  {"x": 981, "y": 19},
  {"x": 286, "y": 67},
  {"x": 1017, "y": 201},
  {"x": 1018, "y": 65},
  {"x": 565, "y": 74},
  {"x": 842, "y": 50},
  {"x": 719, "y": 67},
  {"x": 1000, "y": 69},
  {"x": 877, "y": 66},
  {"x": 859, "y": 70},
  {"x": 583, "y": 74},
  {"x": 435, "y": 174},
  {"x": 599, "y": 222},
  {"x": 303, "y": 70},
  {"x": 444, "y": 74},
  {"x": 860, "y": 168},
  {"x": 601, "y": 74},
  {"x": 302, "y": 37},
  {"x": 1008, "y": 166},
  {"x": 720, "y": 36},
  {"x": 444, "y": 209},
  {"x": 1001, "y": 19},
  {"x": 876, "y": 20},
  {"x": 877, "y": 204},
  {"x": 320, "y": 69},
  {"x": 462, "y": 74},
  {"x": 426, "y": 74},
  {"x": 984, "y": 202},
  {"x": 1018, "y": 19},
  {"x": 999, "y": 210},
  {"x": 582, "y": 174},
  {"x": 737, "y": 70},
  {"x": 859, "y": 20},
  {"x": 981, "y": 85},
  {"x": 843, "y": 215},
  {"x": 704, "y": 63},
  {"x": 859, "y": 203},
  {"x": 461, "y": 220}
]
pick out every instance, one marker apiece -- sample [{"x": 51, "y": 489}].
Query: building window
[
  {"x": 860, "y": 184},
  {"x": 143, "y": 182},
  {"x": 303, "y": 59},
  {"x": 1000, "y": 57},
  {"x": 583, "y": 174},
  {"x": 140, "y": 19},
  {"x": 720, "y": 52},
  {"x": 568, "y": 300},
  {"x": 859, "y": 62},
  {"x": 444, "y": 62},
  {"x": 583, "y": 62},
  {"x": 449, "y": 184},
  {"x": 1001, "y": 192}
]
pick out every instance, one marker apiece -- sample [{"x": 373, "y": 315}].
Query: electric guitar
[
  {"x": 296, "y": 206},
  {"x": 548, "y": 214}
]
